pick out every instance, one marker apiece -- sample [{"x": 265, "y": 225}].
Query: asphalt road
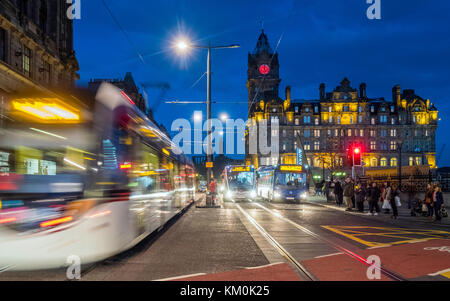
[{"x": 313, "y": 241}]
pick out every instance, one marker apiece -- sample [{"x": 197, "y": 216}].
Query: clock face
[{"x": 264, "y": 69}]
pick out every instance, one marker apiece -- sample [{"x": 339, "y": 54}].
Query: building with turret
[{"x": 324, "y": 129}]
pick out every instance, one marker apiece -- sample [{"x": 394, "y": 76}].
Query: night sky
[{"x": 318, "y": 41}]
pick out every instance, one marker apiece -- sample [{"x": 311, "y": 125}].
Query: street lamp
[{"x": 183, "y": 46}]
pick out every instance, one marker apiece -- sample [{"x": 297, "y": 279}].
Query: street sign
[{"x": 209, "y": 164}]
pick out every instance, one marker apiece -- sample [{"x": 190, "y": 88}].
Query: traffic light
[
  {"x": 357, "y": 155},
  {"x": 354, "y": 154}
]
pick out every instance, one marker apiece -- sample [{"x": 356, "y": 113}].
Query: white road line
[
  {"x": 440, "y": 272},
  {"x": 264, "y": 266},
  {"x": 333, "y": 254},
  {"x": 178, "y": 277}
]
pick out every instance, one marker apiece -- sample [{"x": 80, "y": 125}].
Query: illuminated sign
[
  {"x": 240, "y": 168},
  {"x": 209, "y": 164},
  {"x": 47, "y": 109},
  {"x": 295, "y": 168}
]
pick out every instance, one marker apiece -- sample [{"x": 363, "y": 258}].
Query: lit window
[
  {"x": 393, "y": 145},
  {"x": 418, "y": 161},
  {"x": 393, "y": 121},
  {"x": 426, "y": 133},
  {"x": 392, "y": 109},
  {"x": 296, "y": 109},
  {"x": 284, "y": 146},
  {"x": 383, "y": 162},
  {"x": 372, "y": 109},
  {"x": 329, "y": 133},
  {"x": 372, "y": 120},
  {"x": 373, "y": 162},
  {"x": 359, "y": 109},
  {"x": 297, "y": 121},
  {"x": 411, "y": 161},
  {"x": 393, "y": 133},
  {"x": 360, "y": 118},
  {"x": 307, "y": 146},
  {"x": 316, "y": 109},
  {"x": 339, "y": 120},
  {"x": 330, "y": 119},
  {"x": 306, "y": 110},
  {"x": 361, "y": 133},
  {"x": 316, "y": 145},
  {"x": 306, "y": 119},
  {"x": 316, "y": 133},
  {"x": 383, "y": 119},
  {"x": 394, "y": 162},
  {"x": 316, "y": 121},
  {"x": 349, "y": 132},
  {"x": 284, "y": 133},
  {"x": 26, "y": 61},
  {"x": 330, "y": 109},
  {"x": 372, "y": 133},
  {"x": 373, "y": 145},
  {"x": 351, "y": 119}
]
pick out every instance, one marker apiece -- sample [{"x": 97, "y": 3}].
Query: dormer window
[
  {"x": 296, "y": 109},
  {"x": 372, "y": 109},
  {"x": 316, "y": 109},
  {"x": 306, "y": 110},
  {"x": 383, "y": 109}
]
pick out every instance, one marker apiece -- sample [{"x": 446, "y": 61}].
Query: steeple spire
[{"x": 262, "y": 44}]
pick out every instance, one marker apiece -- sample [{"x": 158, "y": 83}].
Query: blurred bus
[
  {"x": 282, "y": 183},
  {"x": 238, "y": 183}
]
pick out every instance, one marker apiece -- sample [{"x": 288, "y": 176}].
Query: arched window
[
  {"x": 393, "y": 162},
  {"x": 383, "y": 162},
  {"x": 373, "y": 162},
  {"x": 411, "y": 161}
]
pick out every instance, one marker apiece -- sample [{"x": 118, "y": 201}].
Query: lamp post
[{"x": 183, "y": 46}]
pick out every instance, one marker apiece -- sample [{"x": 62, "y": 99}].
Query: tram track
[{"x": 300, "y": 267}]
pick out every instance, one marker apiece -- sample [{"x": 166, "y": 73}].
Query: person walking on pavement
[
  {"x": 429, "y": 199},
  {"x": 338, "y": 192},
  {"x": 360, "y": 194},
  {"x": 386, "y": 197},
  {"x": 395, "y": 193},
  {"x": 375, "y": 195},
  {"x": 438, "y": 201},
  {"x": 349, "y": 191}
]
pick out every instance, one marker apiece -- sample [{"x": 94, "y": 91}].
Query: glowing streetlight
[
  {"x": 198, "y": 116},
  {"x": 223, "y": 116},
  {"x": 182, "y": 46}
]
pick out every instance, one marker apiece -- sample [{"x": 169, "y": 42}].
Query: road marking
[
  {"x": 402, "y": 235},
  {"x": 328, "y": 255},
  {"x": 264, "y": 266},
  {"x": 445, "y": 273},
  {"x": 333, "y": 244},
  {"x": 178, "y": 277}
]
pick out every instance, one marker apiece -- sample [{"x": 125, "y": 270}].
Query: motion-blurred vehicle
[
  {"x": 282, "y": 183},
  {"x": 238, "y": 183},
  {"x": 87, "y": 179}
]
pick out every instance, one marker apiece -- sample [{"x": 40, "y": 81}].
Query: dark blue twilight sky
[{"x": 319, "y": 41}]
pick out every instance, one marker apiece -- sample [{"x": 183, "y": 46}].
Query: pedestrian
[
  {"x": 395, "y": 193},
  {"x": 360, "y": 193},
  {"x": 327, "y": 190},
  {"x": 438, "y": 201},
  {"x": 386, "y": 197},
  {"x": 375, "y": 195},
  {"x": 428, "y": 199},
  {"x": 338, "y": 192},
  {"x": 348, "y": 193}
]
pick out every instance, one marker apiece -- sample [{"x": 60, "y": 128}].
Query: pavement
[{"x": 262, "y": 241}]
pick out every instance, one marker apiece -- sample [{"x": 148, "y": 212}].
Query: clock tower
[{"x": 263, "y": 77}]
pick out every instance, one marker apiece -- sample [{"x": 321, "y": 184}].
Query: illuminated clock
[{"x": 264, "y": 69}]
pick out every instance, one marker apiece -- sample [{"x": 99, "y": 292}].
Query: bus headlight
[
  {"x": 277, "y": 195},
  {"x": 229, "y": 194},
  {"x": 253, "y": 194},
  {"x": 303, "y": 195}
]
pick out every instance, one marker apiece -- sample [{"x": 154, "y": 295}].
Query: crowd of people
[{"x": 384, "y": 198}]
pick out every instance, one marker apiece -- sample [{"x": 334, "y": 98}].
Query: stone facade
[
  {"x": 325, "y": 128},
  {"x": 36, "y": 46}
]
